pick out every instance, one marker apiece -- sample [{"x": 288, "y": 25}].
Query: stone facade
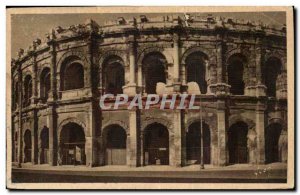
[{"x": 240, "y": 68}]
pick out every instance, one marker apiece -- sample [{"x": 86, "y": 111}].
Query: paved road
[{"x": 208, "y": 176}]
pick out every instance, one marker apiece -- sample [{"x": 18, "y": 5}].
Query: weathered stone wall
[{"x": 91, "y": 45}]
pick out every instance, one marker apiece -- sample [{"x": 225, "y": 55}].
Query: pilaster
[
  {"x": 260, "y": 130},
  {"x": 133, "y": 139},
  {"x": 222, "y": 134},
  {"x": 175, "y": 85},
  {"x": 177, "y": 119},
  {"x": 281, "y": 86},
  {"x": 260, "y": 88},
  {"x": 20, "y": 122},
  {"x": 90, "y": 71},
  {"x": 53, "y": 90},
  {"x": 51, "y": 110},
  {"x": 51, "y": 120},
  {"x": 34, "y": 138},
  {"x": 221, "y": 88},
  {"x": 91, "y": 141},
  {"x": 34, "y": 77},
  {"x": 131, "y": 88}
]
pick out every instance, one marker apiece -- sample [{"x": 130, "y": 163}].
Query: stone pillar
[
  {"x": 222, "y": 134},
  {"x": 214, "y": 154},
  {"x": 176, "y": 57},
  {"x": 39, "y": 154},
  {"x": 32, "y": 143},
  {"x": 221, "y": 88},
  {"x": 14, "y": 144},
  {"x": 260, "y": 87},
  {"x": 34, "y": 81},
  {"x": 89, "y": 73},
  {"x": 142, "y": 156},
  {"x": 172, "y": 151},
  {"x": 220, "y": 75},
  {"x": 12, "y": 133},
  {"x": 34, "y": 138},
  {"x": 91, "y": 142},
  {"x": 132, "y": 150},
  {"x": 183, "y": 74},
  {"x": 51, "y": 120},
  {"x": 177, "y": 138},
  {"x": 90, "y": 151},
  {"x": 260, "y": 130},
  {"x": 20, "y": 122},
  {"x": 132, "y": 62},
  {"x": 53, "y": 91},
  {"x": 130, "y": 88},
  {"x": 249, "y": 74},
  {"x": 175, "y": 86},
  {"x": 140, "y": 78},
  {"x": 283, "y": 146},
  {"x": 101, "y": 150},
  {"x": 258, "y": 61},
  {"x": 51, "y": 111},
  {"x": 281, "y": 86},
  {"x": 252, "y": 145}
]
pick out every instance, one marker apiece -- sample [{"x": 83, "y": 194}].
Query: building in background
[{"x": 239, "y": 67}]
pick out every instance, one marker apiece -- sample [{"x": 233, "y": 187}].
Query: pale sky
[{"x": 26, "y": 28}]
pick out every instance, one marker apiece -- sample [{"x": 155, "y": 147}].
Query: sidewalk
[
  {"x": 244, "y": 173},
  {"x": 240, "y": 167}
]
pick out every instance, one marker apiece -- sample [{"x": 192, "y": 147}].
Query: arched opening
[
  {"x": 237, "y": 143},
  {"x": 272, "y": 134},
  {"x": 114, "y": 76},
  {"x": 115, "y": 145},
  {"x": 27, "y": 146},
  {"x": 193, "y": 144},
  {"x": 44, "y": 145},
  {"x": 270, "y": 72},
  {"x": 45, "y": 84},
  {"x": 72, "y": 145},
  {"x": 196, "y": 70},
  {"x": 156, "y": 145},
  {"x": 72, "y": 74},
  {"x": 154, "y": 65},
  {"x": 235, "y": 70},
  {"x": 27, "y": 90}
]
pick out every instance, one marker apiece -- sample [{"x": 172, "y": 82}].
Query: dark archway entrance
[
  {"x": 27, "y": 146},
  {"x": 156, "y": 145},
  {"x": 196, "y": 70},
  {"x": 114, "y": 76},
  {"x": 72, "y": 145},
  {"x": 154, "y": 65},
  {"x": 272, "y": 134},
  {"x": 270, "y": 72},
  {"x": 193, "y": 143},
  {"x": 44, "y": 146},
  {"x": 45, "y": 84},
  {"x": 72, "y": 76},
  {"x": 237, "y": 143},
  {"x": 115, "y": 144},
  {"x": 235, "y": 71}
]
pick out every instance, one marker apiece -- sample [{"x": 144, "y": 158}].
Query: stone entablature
[{"x": 191, "y": 29}]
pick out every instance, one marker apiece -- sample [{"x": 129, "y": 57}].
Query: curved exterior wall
[{"x": 130, "y": 42}]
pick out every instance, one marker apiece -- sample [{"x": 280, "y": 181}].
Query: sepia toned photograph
[{"x": 150, "y": 98}]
